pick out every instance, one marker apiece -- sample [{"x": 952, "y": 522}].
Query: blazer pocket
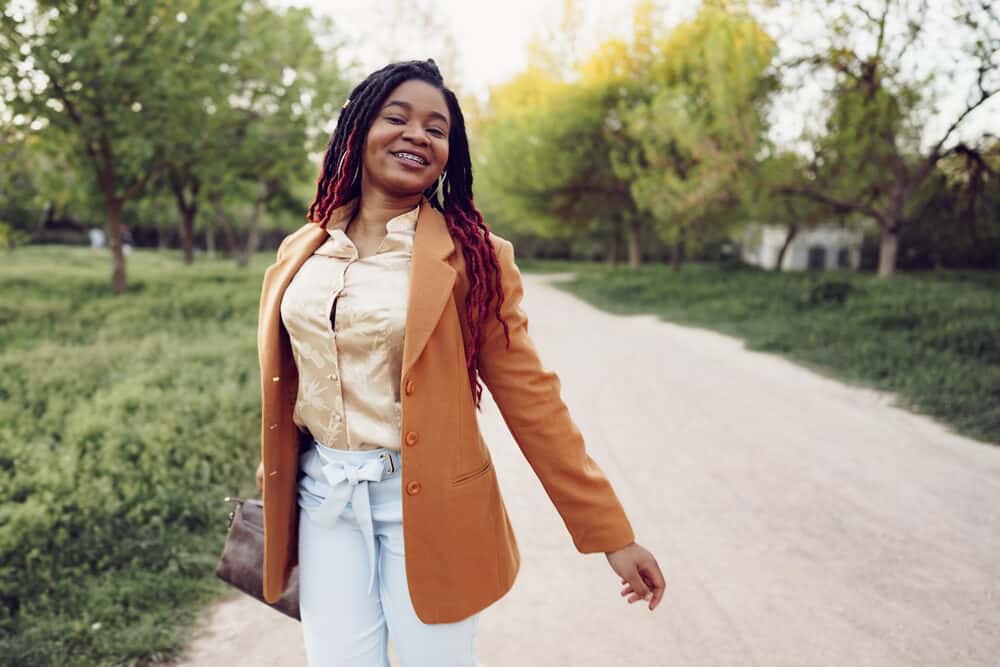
[{"x": 473, "y": 475}]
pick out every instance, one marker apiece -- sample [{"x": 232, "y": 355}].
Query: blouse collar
[{"x": 400, "y": 231}]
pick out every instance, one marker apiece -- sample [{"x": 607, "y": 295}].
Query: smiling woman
[{"x": 377, "y": 322}]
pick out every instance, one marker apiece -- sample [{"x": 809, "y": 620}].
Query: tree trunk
[
  {"x": 114, "y": 232},
  {"x": 634, "y": 246},
  {"x": 888, "y": 247},
  {"x": 188, "y": 211},
  {"x": 793, "y": 229},
  {"x": 187, "y": 234}
]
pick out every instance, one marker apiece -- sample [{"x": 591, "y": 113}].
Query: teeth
[{"x": 411, "y": 156}]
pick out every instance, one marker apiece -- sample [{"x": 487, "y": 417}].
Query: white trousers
[{"x": 353, "y": 593}]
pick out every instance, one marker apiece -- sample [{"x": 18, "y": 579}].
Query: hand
[
  {"x": 260, "y": 477},
  {"x": 640, "y": 573}
]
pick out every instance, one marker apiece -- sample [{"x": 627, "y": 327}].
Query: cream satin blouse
[{"x": 345, "y": 318}]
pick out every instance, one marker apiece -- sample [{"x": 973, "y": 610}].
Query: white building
[{"x": 822, "y": 247}]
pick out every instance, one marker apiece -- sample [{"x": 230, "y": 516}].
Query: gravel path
[{"x": 798, "y": 521}]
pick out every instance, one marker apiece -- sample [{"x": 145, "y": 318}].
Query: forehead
[{"x": 418, "y": 97}]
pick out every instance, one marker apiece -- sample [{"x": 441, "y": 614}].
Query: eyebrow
[{"x": 409, "y": 107}]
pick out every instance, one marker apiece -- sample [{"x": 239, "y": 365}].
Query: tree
[
  {"x": 619, "y": 74},
  {"x": 547, "y": 147},
  {"x": 869, "y": 155},
  {"x": 764, "y": 201},
  {"x": 252, "y": 140},
  {"x": 698, "y": 137},
  {"x": 111, "y": 80}
]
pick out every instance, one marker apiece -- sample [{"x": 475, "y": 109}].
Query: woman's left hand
[{"x": 640, "y": 574}]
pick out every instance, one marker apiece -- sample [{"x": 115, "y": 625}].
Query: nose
[{"x": 415, "y": 133}]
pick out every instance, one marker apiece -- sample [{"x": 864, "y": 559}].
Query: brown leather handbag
[{"x": 242, "y": 561}]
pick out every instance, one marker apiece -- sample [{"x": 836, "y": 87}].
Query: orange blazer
[{"x": 461, "y": 553}]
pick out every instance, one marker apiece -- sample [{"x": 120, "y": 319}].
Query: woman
[{"x": 377, "y": 321}]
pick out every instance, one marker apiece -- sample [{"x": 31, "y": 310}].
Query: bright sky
[
  {"x": 491, "y": 37},
  {"x": 491, "y": 40}
]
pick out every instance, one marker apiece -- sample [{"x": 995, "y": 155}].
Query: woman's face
[{"x": 407, "y": 145}]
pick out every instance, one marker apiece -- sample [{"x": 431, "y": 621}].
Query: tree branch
[{"x": 839, "y": 206}]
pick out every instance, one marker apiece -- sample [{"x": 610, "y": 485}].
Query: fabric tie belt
[{"x": 349, "y": 483}]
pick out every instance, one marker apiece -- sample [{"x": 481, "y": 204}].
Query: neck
[{"x": 378, "y": 207}]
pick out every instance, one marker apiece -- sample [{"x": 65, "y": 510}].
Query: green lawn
[
  {"x": 932, "y": 338},
  {"x": 124, "y": 421}
]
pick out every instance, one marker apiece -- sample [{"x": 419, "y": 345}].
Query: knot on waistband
[{"x": 349, "y": 483}]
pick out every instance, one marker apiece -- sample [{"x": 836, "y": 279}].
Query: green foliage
[
  {"x": 112, "y": 79},
  {"x": 11, "y": 237},
  {"x": 549, "y": 167},
  {"x": 933, "y": 338},
  {"x": 123, "y": 423},
  {"x": 700, "y": 131},
  {"x": 887, "y": 130},
  {"x": 221, "y": 100},
  {"x": 669, "y": 125},
  {"x": 956, "y": 215}
]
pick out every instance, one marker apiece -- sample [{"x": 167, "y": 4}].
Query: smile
[{"x": 410, "y": 157}]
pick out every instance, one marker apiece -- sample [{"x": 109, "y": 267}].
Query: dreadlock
[{"x": 337, "y": 185}]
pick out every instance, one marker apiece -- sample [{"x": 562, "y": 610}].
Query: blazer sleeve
[{"x": 528, "y": 396}]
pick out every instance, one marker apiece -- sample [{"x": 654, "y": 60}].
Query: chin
[{"x": 406, "y": 188}]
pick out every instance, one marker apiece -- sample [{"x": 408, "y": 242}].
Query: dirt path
[{"x": 798, "y": 521}]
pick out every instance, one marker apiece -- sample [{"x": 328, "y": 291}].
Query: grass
[
  {"x": 124, "y": 422},
  {"x": 931, "y": 338}
]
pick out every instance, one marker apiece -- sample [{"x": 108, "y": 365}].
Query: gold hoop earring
[{"x": 439, "y": 189}]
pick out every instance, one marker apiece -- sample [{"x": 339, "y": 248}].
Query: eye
[
  {"x": 395, "y": 120},
  {"x": 437, "y": 132}
]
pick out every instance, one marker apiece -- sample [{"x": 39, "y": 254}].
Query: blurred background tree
[
  {"x": 875, "y": 152},
  {"x": 216, "y": 102}
]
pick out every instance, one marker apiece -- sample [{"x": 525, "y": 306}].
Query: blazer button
[
  {"x": 413, "y": 488},
  {"x": 409, "y": 386},
  {"x": 411, "y": 438}
]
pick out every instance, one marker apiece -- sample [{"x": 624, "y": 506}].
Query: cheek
[
  {"x": 379, "y": 137},
  {"x": 442, "y": 154}
]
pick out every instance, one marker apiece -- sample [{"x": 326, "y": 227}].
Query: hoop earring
[
  {"x": 439, "y": 187},
  {"x": 340, "y": 169}
]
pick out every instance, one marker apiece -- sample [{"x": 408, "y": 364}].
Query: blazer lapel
[{"x": 432, "y": 279}]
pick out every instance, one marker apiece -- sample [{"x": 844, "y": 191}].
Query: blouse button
[
  {"x": 411, "y": 438},
  {"x": 413, "y": 488}
]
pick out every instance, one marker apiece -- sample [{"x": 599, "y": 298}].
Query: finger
[
  {"x": 638, "y": 585},
  {"x": 654, "y": 576}
]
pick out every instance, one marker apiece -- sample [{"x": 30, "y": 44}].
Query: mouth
[{"x": 412, "y": 158}]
